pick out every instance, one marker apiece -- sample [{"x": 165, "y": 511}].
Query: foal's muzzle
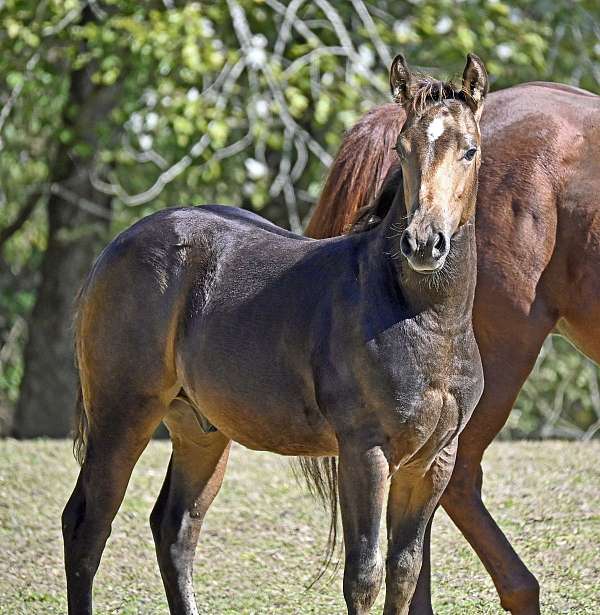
[{"x": 426, "y": 251}]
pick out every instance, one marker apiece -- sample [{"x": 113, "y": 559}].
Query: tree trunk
[{"x": 78, "y": 219}]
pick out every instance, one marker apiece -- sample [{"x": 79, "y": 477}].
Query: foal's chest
[{"x": 425, "y": 386}]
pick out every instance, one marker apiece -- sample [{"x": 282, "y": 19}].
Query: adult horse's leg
[
  {"x": 421, "y": 600},
  {"x": 506, "y": 366},
  {"x": 362, "y": 483},
  {"x": 116, "y": 441},
  {"x": 411, "y": 502},
  {"x": 193, "y": 480}
]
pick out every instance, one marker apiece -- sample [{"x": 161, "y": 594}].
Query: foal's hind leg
[
  {"x": 193, "y": 480},
  {"x": 114, "y": 447},
  {"x": 421, "y": 600},
  {"x": 411, "y": 503}
]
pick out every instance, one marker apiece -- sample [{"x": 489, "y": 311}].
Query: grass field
[{"x": 263, "y": 537}]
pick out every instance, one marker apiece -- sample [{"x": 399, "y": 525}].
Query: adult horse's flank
[
  {"x": 538, "y": 249},
  {"x": 360, "y": 346}
]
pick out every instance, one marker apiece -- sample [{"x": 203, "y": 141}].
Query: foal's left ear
[
  {"x": 401, "y": 80},
  {"x": 475, "y": 83}
]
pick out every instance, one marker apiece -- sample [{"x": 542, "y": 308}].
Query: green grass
[{"x": 263, "y": 537}]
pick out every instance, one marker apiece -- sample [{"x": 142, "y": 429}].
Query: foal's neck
[{"x": 448, "y": 293}]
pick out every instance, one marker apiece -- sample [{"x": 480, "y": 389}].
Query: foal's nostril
[
  {"x": 407, "y": 244},
  {"x": 439, "y": 245}
]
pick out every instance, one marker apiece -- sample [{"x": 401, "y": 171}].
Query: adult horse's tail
[{"x": 357, "y": 173}]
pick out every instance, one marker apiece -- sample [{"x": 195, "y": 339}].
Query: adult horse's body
[
  {"x": 538, "y": 244},
  {"x": 360, "y": 346}
]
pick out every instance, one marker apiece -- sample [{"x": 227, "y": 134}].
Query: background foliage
[{"x": 241, "y": 102}]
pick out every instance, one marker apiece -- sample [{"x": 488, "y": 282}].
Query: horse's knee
[
  {"x": 363, "y": 576},
  {"x": 522, "y": 598}
]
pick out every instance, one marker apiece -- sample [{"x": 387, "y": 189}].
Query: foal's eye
[{"x": 470, "y": 153}]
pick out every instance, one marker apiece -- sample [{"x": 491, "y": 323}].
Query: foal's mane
[{"x": 427, "y": 90}]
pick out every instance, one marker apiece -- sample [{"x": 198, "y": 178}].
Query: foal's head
[{"x": 439, "y": 149}]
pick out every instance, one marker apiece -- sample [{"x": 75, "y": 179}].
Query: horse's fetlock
[
  {"x": 522, "y": 598},
  {"x": 363, "y": 577}
]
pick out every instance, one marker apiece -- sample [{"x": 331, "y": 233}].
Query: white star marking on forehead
[{"x": 436, "y": 128}]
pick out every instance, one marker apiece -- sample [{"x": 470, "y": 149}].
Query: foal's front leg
[
  {"x": 363, "y": 474},
  {"x": 412, "y": 500}
]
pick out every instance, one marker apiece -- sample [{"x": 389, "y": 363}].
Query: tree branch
[{"x": 22, "y": 216}]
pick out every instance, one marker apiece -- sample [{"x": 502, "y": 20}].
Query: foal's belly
[
  {"x": 290, "y": 428},
  {"x": 285, "y": 427}
]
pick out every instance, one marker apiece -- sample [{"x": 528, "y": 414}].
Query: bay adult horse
[
  {"x": 538, "y": 246},
  {"x": 229, "y": 328}
]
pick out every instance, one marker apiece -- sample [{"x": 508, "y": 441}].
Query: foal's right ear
[{"x": 401, "y": 80}]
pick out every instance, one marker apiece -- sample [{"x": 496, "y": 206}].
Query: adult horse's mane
[
  {"x": 373, "y": 213},
  {"x": 367, "y": 145},
  {"x": 348, "y": 182}
]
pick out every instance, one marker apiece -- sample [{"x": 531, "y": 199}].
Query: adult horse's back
[{"x": 538, "y": 241}]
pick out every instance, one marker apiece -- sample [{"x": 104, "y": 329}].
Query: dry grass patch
[{"x": 264, "y": 536}]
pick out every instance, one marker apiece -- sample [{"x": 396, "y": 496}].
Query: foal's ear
[
  {"x": 475, "y": 83},
  {"x": 401, "y": 80}
]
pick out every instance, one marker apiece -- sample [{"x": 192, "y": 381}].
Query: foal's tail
[
  {"x": 81, "y": 420},
  {"x": 81, "y": 428},
  {"x": 321, "y": 477}
]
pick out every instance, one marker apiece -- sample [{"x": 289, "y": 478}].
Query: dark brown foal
[
  {"x": 229, "y": 328},
  {"x": 538, "y": 224}
]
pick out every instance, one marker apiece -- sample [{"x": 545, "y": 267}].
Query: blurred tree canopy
[{"x": 110, "y": 110}]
